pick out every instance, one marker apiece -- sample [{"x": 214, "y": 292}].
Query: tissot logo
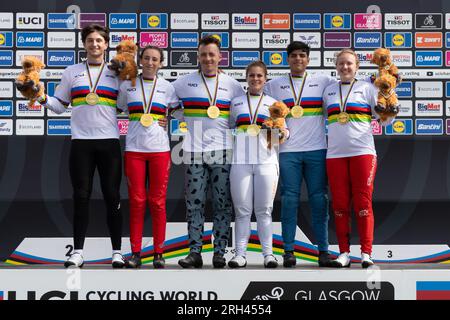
[
  {"x": 319, "y": 291},
  {"x": 428, "y": 20},
  {"x": 402, "y": 21},
  {"x": 29, "y": 20},
  {"x": 216, "y": 21},
  {"x": 276, "y": 40}
]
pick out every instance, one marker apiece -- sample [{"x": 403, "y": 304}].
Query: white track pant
[{"x": 253, "y": 188}]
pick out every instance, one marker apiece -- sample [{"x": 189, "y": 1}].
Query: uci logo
[
  {"x": 337, "y": 21},
  {"x": 276, "y": 58},
  {"x": 153, "y": 21},
  {"x": 398, "y": 126},
  {"x": 398, "y": 40}
]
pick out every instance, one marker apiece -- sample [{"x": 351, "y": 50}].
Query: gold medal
[
  {"x": 297, "y": 112},
  {"x": 213, "y": 112},
  {"x": 343, "y": 117},
  {"x": 146, "y": 120},
  {"x": 253, "y": 130},
  {"x": 92, "y": 99}
]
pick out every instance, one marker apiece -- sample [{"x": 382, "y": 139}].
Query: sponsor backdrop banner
[{"x": 412, "y": 187}]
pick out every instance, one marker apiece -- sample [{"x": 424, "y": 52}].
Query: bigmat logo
[
  {"x": 337, "y": 21},
  {"x": 6, "y": 39},
  {"x": 6, "y": 108},
  {"x": 400, "y": 127},
  {"x": 215, "y": 21},
  {"x": 428, "y": 58},
  {"x": 404, "y": 89},
  {"x": 184, "y": 39},
  {"x": 6, "y": 20},
  {"x": 30, "y": 40},
  {"x": 428, "y": 20},
  {"x": 276, "y": 21},
  {"x": 398, "y": 39},
  {"x": 60, "y": 58},
  {"x": 117, "y": 37},
  {"x": 24, "y": 110},
  {"x": 90, "y": 18},
  {"x": 307, "y": 21},
  {"x": 154, "y": 21},
  {"x": 58, "y": 127},
  {"x": 398, "y": 21},
  {"x": 159, "y": 39},
  {"x": 243, "y": 58},
  {"x": 245, "y": 21},
  {"x": 429, "y": 127},
  {"x": 29, "y": 20},
  {"x": 429, "y": 108},
  {"x": 61, "y": 21},
  {"x": 367, "y": 39},
  {"x": 275, "y": 58},
  {"x": 6, "y": 58},
  {"x": 312, "y": 39},
  {"x": 367, "y": 21},
  {"x": 223, "y": 37},
  {"x": 123, "y": 21},
  {"x": 428, "y": 39}
]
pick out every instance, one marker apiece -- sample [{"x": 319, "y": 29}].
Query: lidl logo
[
  {"x": 275, "y": 58},
  {"x": 400, "y": 127},
  {"x": 337, "y": 21},
  {"x": 6, "y": 39},
  {"x": 154, "y": 21},
  {"x": 398, "y": 39},
  {"x": 223, "y": 37}
]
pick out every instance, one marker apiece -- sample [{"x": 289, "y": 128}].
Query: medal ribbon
[
  {"x": 211, "y": 101},
  {"x": 93, "y": 88},
  {"x": 148, "y": 107},
  {"x": 297, "y": 100},
  {"x": 343, "y": 105},
  {"x": 253, "y": 116}
]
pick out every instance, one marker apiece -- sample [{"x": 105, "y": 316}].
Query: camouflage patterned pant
[{"x": 204, "y": 169}]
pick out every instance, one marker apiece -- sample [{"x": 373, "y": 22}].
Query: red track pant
[
  {"x": 351, "y": 180},
  {"x": 158, "y": 173}
]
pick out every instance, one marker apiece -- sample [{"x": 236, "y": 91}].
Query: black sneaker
[
  {"x": 324, "y": 259},
  {"x": 193, "y": 260},
  {"x": 134, "y": 261},
  {"x": 289, "y": 260},
  {"x": 219, "y": 261},
  {"x": 158, "y": 261}
]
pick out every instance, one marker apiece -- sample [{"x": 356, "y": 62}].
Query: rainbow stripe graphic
[
  {"x": 358, "y": 112},
  {"x": 312, "y": 106},
  {"x": 107, "y": 96},
  {"x": 136, "y": 110},
  {"x": 196, "y": 107},
  {"x": 433, "y": 290}
]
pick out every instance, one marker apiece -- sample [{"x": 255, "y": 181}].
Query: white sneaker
[
  {"x": 117, "y": 261},
  {"x": 237, "y": 262},
  {"x": 270, "y": 261},
  {"x": 75, "y": 260},
  {"x": 343, "y": 261},
  {"x": 366, "y": 260}
]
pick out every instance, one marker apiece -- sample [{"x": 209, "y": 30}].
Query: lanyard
[
  {"x": 343, "y": 105},
  {"x": 93, "y": 88},
  {"x": 211, "y": 100},
  {"x": 253, "y": 116},
  {"x": 148, "y": 107},
  {"x": 298, "y": 99}
]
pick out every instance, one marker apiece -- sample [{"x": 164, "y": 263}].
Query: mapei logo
[
  {"x": 245, "y": 21},
  {"x": 6, "y": 58},
  {"x": 154, "y": 21},
  {"x": 223, "y": 37},
  {"x": 276, "y": 21},
  {"x": 398, "y": 21},
  {"x": 404, "y": 89},
  {"x": 6, "y": 39},
  {"x": 60, "y": 58},
  {"x": 312, "y": 39},
  {"x": 428, "y": 39},
  {"x": 398, "y": 39},
  {"x": 184, "y": 39},
  {"x": 428, "y": 20},
  {"x": 58, "y": 127},
  {"x": 29, "y": 20},
  {"x": 215, "y": 21},
  {"x": 243, "y": 58},
  {"x": 337, "y": 21},
  {"x": 368, "y": 21},
  {"x": 307, "y": 21},
  {"x": 30, "y": 40},
  {"x": 428, "y": 58},
  {"x": 400, "y": 127},
  {"x": 367, "y": 39},
  {"x": 6, "y": 108},
  {"x": 122, "y": 20},
  {"x": 275, "y": 58},
  {"x": 61, "y": 21},
  {"x": 429, "y": 127}
]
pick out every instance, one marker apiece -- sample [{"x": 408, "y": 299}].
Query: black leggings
[{"x": 85, "y": 156}]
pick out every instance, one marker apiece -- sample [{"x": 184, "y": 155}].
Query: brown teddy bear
[
  {"x": 278, "y": 112},
  {"x": 124, "y": 63},
  {"x": 28, "y": 81},
  {"x": 386, "y": 81}
]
